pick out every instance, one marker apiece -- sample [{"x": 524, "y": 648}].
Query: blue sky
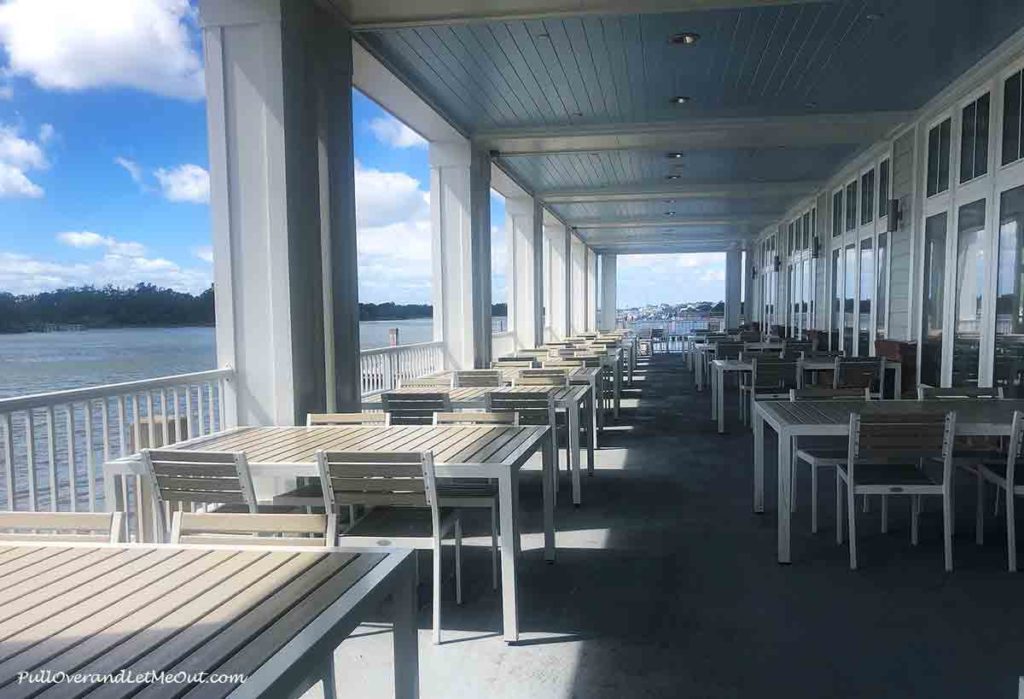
[{"x": 103, "y": 165}]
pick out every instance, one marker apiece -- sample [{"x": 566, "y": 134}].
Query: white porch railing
[
  {"x": 54, "y": 444},
  {"x": 384, "y": 368}
]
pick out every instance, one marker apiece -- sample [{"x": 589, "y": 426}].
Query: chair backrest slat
[
  {"x": 101, "y": 527},
  {"x": 531, "y": 408},
  {"x": 415, "y": 408},
  {"x": 426, "y": 382},
  {"x": 820, "y": 393},
  {"x": 200, "y": 477},
  {"x": 887, "y": 437},
  {"x": 769, "y": 375},
  {"x": 531, "y": 377},
  {"x": 340, "y": 419},
  {"x": 514, "y": 362},
  {"x": 253, "y": 529},
  {"x": 860, "y": 372},
  {"x": 476, "y": 418},
  {"x": 930, "y": 393}
]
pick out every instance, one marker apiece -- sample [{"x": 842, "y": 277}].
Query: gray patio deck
[{"x": 666, "y": 585}]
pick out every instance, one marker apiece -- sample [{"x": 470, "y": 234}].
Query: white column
[
  {"x": 733, "y": 280},
  {"x": 525, "y": 226},
  {"x": 609, "y": 287},
  {"x": 461, "y": 227},
  {"x": 278, "y": 77},
  {"x": 559, "y": 263},
  {"x": 591, "y": 290},
  {"x": 579, "y": 286}
]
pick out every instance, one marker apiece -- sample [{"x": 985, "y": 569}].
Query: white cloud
[
  {"x": 384, "y": 198},
  {"x": 73, "y": 45},
  {"x": 187, "y": 183},
  {"x": 131, "y": 167},
  {"x": 17, "y": 157},
  {"x": 679, "y": 278},
  {"x": 46, "y": 133},
  {"x": 204, "y": 253},
  {"x": 120, "y": 263},
  {"x": 391, "y": 132}
]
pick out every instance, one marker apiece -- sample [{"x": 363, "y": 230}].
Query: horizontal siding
[{"x": 900, "y": 279}]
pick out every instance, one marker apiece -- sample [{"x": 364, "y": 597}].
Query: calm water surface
[{"x": 42, "y": 362}]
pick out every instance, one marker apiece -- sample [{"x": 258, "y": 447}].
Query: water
[{"x": 42, "y": 362}]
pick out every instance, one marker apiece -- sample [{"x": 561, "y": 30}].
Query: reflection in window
[
  {"x": 867, "y": 197},
  {"x": 970, "y": 283},
  {"x": 974, "y": 139},
  {"x": 881, "y": 279},
  {"x": 851, "y": 205},
  {"x": 1013, "y": 125},
  {"x": 938, "y": 158},
  {"x": 883, "y": 188},
  {"x": 867, "y": 286},
  {"x": 931, "y": 302},
  {"x": 837, "y": 302},
  {"x": 850, "y": 275},
  {"x": 1009, "y": 345},
  {"x": 837, "y": 213}
]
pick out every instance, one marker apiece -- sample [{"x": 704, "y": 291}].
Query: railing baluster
[
  {"x": 90, "y": 459},
  {"x": 151, "y": 418},
  {"x": 163, "y": 417},
  {"x": 30, "y": 447},
  {"x": 51, "y": 452},
  {"x": 136, "y": 424},
  {"x": 122, "y": 427},
  {"x": 177, "y": 416},
  {"x": 188, "y": 412},
  {"x": 212, "y": 411},
  {"x": 72, "y": 475},
  {"x": 9, "y": 459}
]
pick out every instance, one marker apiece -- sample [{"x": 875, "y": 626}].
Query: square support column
[
  {"x": 460, "y": 212},
  {"x": 609, "y": 289},
  {"x": 559, "y": 274},
  {"x": 592, "y": 261},
  {"x": 578, "y": 286},
  {"x": 278, "y": 82},
  {"x": 733, "y": 287},
  {"x": 525, "y": 226}
]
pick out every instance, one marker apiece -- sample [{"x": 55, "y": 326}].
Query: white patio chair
[
  {"x": 101, "y": 527},
  {"x": 226, "y": 529},
  {"x": 1003, "y": 474}
]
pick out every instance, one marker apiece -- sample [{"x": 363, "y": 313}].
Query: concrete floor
[{"x": 666, "y": 585}]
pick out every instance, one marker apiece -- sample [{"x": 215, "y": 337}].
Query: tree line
[{"x": 146, "y": 305}]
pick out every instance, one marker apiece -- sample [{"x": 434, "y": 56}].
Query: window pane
[
  {"x": 867, "y": 197},
  {"x": 1009, "y": 345},
  {"x": 944, "y": 135},
  {"x": 967, "y": 126},
  {"x": 837, "y": 213},
  {"x": 850, "y": 275},
  {"x": 1011, "y": 118},
  {"x": 970, "y": 284},
  {"x": 931, "y": 306},
  {"x": 981, "y": 140},
  {"x": 851, "y": 205},
  {"x": 882, "y": 278},
  {"x": 867, "y": 287},
  {"x": 933, "y": 162},
  {"x": 883, "y": 188},
  {"x": 837, "y": 301}
]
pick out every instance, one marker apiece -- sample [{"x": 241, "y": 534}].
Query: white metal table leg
[
  {"x": 573, "y": 418},
  {"x": 549, "y": 503},
  {"x": 405, "y": 645},
  {"x": 509, "y": 574},
  {"x": 785, "y": 468},
  {"x": 721, "y": 400},
  {"x": 592, "y": 435},
  {"x": 758, "y": 461}
]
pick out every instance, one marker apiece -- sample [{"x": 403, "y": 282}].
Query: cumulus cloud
[
  {"x": 204, "y": 253},
  {"x": 184, "y": 183},
  {"x": 116, "y": 262},
  {"x": 391, "y": 132},
  {"x": 71, "y": 45},
  {"x": 131, "y": 167},
  {"x": 18, "y": 156},
  {"x": 680, "y": 278}
]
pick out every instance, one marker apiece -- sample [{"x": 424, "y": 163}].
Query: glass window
[
  {"x": 867, "y": 287},
  {"x": 974, "y": 139},
  {"x": 1009, "y": 346},
  {"x": 881, "y": 279},
  {"x": 837, "y": 213},
  {"x": 883, "y": 188},
  {"x": 1013, "y": 129},
  {"x": 938, "y": 158},
  {"x": 931, "y": 306},
  {"x": 970, "y": 285},
  {"x": 867, "y": 197},
  {"x": 850, "y": 276},
  {"x": 851, "y": 205},
  {"x": 792, "y": 238},
  {"x": 808, "y": 232},
  {"x": 837, "y": 301}
]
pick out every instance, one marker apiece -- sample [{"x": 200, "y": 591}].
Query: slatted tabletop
[
  {"x": 509, "y": 373},
  {"x": 455, "y": 444},
  {"x": 475, "y": 396},
  {"x": 146, "y": 609}
]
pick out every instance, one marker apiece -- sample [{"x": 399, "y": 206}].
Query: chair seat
[
  {"x": 891, "y": 474},
  {"x": 398, "y": 523}
]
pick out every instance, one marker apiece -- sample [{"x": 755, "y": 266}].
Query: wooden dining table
[
  {"x": 116, "y": 620},
  {"x": 790, "y": 420},
  {"x": 568, "y": 399},
  {"x": 279, "y": 455}
]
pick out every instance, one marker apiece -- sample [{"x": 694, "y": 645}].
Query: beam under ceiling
[
  {"x": 677, "y": 190},
  {"x": 684, "y": 221},
  {"x": 730, "y": 133},
  {"x": 384, "y": 14}
]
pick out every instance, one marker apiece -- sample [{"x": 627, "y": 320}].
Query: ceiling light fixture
[
  {"x": 873, "y": 16},
  {"x": 679, "y": 99},
  {"x": 675, "y": 155},
  {"x": 670, "y": 213},
  {"x": 684, "y": 39},
  {"x": 673, "y": 176}
]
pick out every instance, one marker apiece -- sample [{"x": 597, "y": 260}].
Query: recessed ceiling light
[
  {"x": 670, "y": 201},
  {"x": 679, "y": 99},
  {"x": 684, "y": 39},
  {"x": 673, "y": 176},
  {"x": 675, "y": 155},
  {"x": 670, "y": 213},
  {"x": 811, "y": 104},
  {"x": 873, "y": 16}
]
